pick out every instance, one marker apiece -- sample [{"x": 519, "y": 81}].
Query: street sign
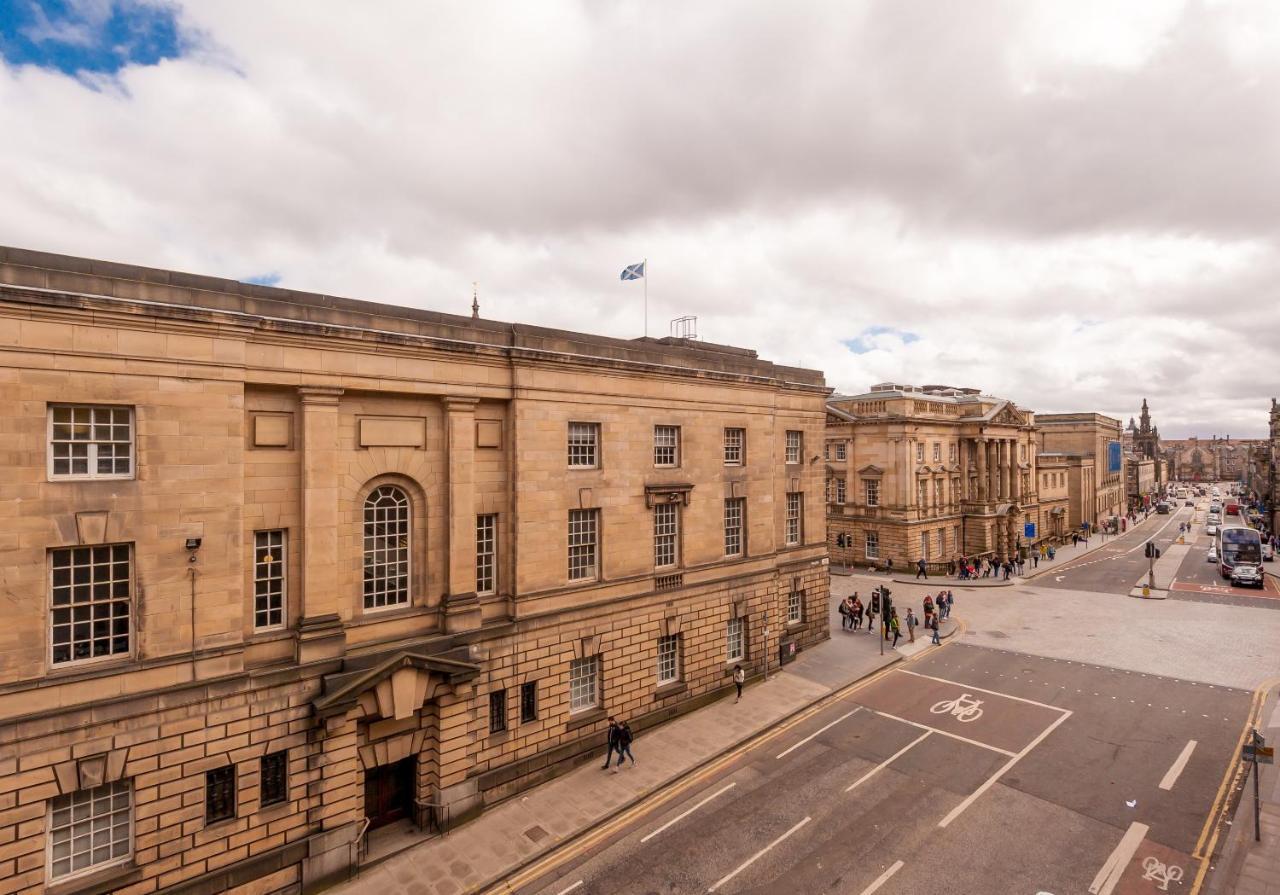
[
  {"x": 1028, "y": 530},
  {"x": 1260, "y": 754}
]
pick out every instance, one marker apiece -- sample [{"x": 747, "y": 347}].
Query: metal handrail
[
  {"x": 439, "y": 816},
  {"x": 361, "y": 845}
]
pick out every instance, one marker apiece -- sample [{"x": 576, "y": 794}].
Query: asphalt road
[
  {"x": 1114, "y": 568},
  {"x": 966, "y": 770}
]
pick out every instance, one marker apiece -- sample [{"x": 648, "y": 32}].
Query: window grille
[
  {"x": 497, "y": 711},
  {"x": 268, "y": 579},
  {"x": 666, "y": 534},
  {"x": 666, "y": 446},
  {"x": 735, "y": 641},
  {"x": 274, "y": 778},
  {"x": 90, "y": 829},
  {"x": 90, "y": 442},
  {"x": 733, "y": 513},
  {"x": 583, "y": 525},
  {"x": 584, "y": 444},
  {"x": 795, "y": 504},
  {"x": 486, "y": 554},
  {"x": 220, "y": 794},
  {"x": 669, "y": 659},
  {"x": 386, "y": 548},
  {"x": 584, "y": 683},
  {"x": 528, "y": 702},
  {"x": 91, "y": 598}
]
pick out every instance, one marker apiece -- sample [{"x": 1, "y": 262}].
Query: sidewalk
[
  {"x": 1246, "y": 867},
  {"x": 522, "y": 829}
]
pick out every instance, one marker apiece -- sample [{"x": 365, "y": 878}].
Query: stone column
[
  {"x": 993, "y": 463},
  {"x": 980, "y": 445},
  {"x": 964, "y": 473},
  {"x": 461, "y": 605},
  {"x": 320, "y": 631},
  {"x": 1017, "y": 475},
  {"x": 1006, "y": 468},
  {"x": 906, "y": 469}
]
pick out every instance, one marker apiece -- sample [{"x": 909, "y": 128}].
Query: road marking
[
  {"x": 680, "y": 817},
  {"x": 882, "y": 878},
  {"x": 751, "y": 860},
  {"x": 871, "y": 773},
  {"x": 1171, "y": 776},
  {"x": 1111, "y": 870},
  {"x": 1042, "y": 705},
  {"x": 570, "y": 889},
  {"x": 945, "y": 733},
  {"x": 790, "y": 749},
  {"x": 990, "y": 781}
]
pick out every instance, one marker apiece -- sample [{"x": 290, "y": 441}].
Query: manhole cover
[{"x": 536, "y": 833}]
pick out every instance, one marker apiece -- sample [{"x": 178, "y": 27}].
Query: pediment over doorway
[{"x": 394, "y": 688}]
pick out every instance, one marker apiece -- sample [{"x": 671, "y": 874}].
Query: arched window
[{"x": 386, "y": 548}]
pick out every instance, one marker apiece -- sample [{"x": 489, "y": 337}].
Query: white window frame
[
  {"x": 91, "y": 445},
  {"x": 840, "y": 489},
  {"x": 794, "y": 518},
  {"x": 585, "y": 539},
  {"x": 735, "y": 446},
  {"x": 871, "y": 492},
  {"x": 270, "y": 540},
  {"x": 939, "y": 497},
  {"x": 735, "y": 644},
  {"x": 924, "y": 545},
  {"x": 115, "y": 789},
  {"x": 919, "y": 451},
  {"x": 668, "y": 659},
  {"x": 583, "y": 445},
  {"x": 795, "y": 605},
  {"x": 795, "y": 446},
  {"x": 666, "y": 535},
  {"x": 735, "y": 512},
  {"x": 111, "y": 603},
  {"x": 584, "y": 684},
  {"x": 841, "y": 453},
  {"x": 487, "y": 553},
  {"x": 403, "y": 509},
  {"x": 937, "y": 452},
  {"x": 666, "y": 447},
  {"x": 871, "y": 544},
  {"x": 951, "y": 452}
]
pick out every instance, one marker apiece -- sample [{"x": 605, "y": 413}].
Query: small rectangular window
[
  {"x": 583, "y": 527},
  {"x": 268, "y": 579},
  {"x": 668, "y": 659},
  {"x": 795, "y": 603},
  {"x": 795, "y": 446},
  {"x": 924, "y": 545},
  {"x": 584, "y": 684},
  {"x": 666, "y": 535},
  {"x": 220, "y": 794},
  {"x": 584, "y": 445},
  {"x": 871, "y": 488},
  {"x": 90, "y": 442},
  {"x": 528, "y": 702},
  {"x": 497, "y": 711},
  {"x": 90, "y": 829},
  {"x": 795, "y": 513},
  {"x": 840, "y": 491},
  {"x": 873, "y": 545},
  {"x": 274, "y": 778},
  {"x": 486, "y": 553},
  {"x": 735, "y": 640},
  {"x": 937, "y": 452},
  {"x": 919, "y": 452},
  {"x": 666, "y": 445},
  {"x": 734, "y": 508},
  {"x": 840, "y": 450},
  {"x": 91, "y": 597},
  {"x": 951, "y": 454},
  {"x": 735, "y": 443}
]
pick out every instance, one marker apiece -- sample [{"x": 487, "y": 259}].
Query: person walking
[
  {"x": 857, "y": 612},
  {"x": 846, "y": 614},
  {"x": 895, "y": 627},
  {"x": 739, "y": 678},
  {"x": 920, "y": 570},
  {"x": 928, "y": 609},
  {"x": 935, "y": 631},
  {"x": 911, "y": 626},
  {"x": 1035, "y": 560},
  {"x": 611, "y": 742},
  {"x": 951, "y": 600},
  {"x": 624, "y": 745}
]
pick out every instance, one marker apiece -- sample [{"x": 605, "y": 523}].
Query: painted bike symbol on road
[
  {"x": 964, "y": 708},
  {"x": 1155, "y": 870}
]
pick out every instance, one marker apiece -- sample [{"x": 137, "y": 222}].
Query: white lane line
[
  {"x": 791, "y": 749},
  {"x": 1042, "y": 705},
  {"x": 990, "y": 781},
  {"x": 751, "y": 860},
  {"x": 1171, "y": 776},
  {"x": 954, "y": 736},
  {"x": 570, "y": 889},
  {"x": 882, "y": 878},
  {"x": 871, "y": 773},
  {"x": 679, "y": 817},
  {"x": 1114, "y": 866}
]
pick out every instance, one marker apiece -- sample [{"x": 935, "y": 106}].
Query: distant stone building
[
  {"x": 1095, "y": 437},
  {"x": 1208, "y": 459}
]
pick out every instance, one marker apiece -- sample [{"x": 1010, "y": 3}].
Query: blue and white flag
[{"x": 633, "y": 272}]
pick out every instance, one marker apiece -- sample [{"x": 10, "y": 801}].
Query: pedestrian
[
  {"x": 624, "y": 745},
  {"x": 1035, "y": 560},
  {"x": 928, "y": 608},
  {"x": 611, "y": 741},
  {"x": 1052, "y": 553},
  {"x": 895, "y": 627},
  {"x": 888, "y": 566},
  {"x": 911, "y": 626},
  {"x": 1008, "y": 567},
  {"x": 935, "y": 627},
  {"x": 846, "y": 614},
  {"x": 951, "y": 601},
  {"x": 920, "y": 569},
  {"x": 739, "y": 678},
  {"x": 857, "y": 612}
]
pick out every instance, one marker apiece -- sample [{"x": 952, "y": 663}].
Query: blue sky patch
[
  {"x": 80, "y": 37},
  {"x": 869, "y": 339},
  {"x": 263, "y": 279}
]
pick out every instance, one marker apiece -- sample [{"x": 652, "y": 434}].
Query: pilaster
[
  {"x": 461, "y": 605},
  {"x": 320, "y": 628}
]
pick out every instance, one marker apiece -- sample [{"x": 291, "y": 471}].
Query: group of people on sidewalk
[
  {"x": 619, "y": 741},
  {"x": 995, "y": 567},
  {"x": 852, "y": 612}
]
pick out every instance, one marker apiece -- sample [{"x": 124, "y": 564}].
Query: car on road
[
  {"x": 1212, "y": 555},
  {"x": 1246, "y": 574},
  {"x": 1267, "y": 553},
  {"x": 1211, "y": 530},
  {"x": 1189, "y": 503}
]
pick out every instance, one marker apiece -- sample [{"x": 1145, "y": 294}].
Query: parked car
[
  {"x": 1246, "y": 574},
  {"x": 1211, "y": 530},
  {"x": 1212, "y": 555}
]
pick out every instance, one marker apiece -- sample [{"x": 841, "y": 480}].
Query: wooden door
[{"x": 388, "y": 792}]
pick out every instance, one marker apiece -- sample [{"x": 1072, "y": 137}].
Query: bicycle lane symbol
[{"x": 963, "y": 708}]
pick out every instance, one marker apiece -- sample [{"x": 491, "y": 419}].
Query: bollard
[{"x": 1146, "y": 590}]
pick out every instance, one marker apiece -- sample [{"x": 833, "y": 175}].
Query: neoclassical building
[
  {"x": 929, "y": 472},
  {"x": 1093, "y": 444},
  {"x": 280, "y": 569},
  {"x": 1211, "y": 459}
]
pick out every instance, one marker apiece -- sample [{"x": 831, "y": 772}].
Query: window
[
  {"x": 840, "y": 450},
  {"x": 497, "y": 711},
  {"x": 919, "y": 452},
  {"x": 734, "y": 508},
  {"x": 486, "y": 553},
  {"x": 873, "y": 545},
  {"x": 955, "y": 537},
  {"x": 924, "y": 545},
  {"x": 90, "y": 442},
  {"x": 668, "y": 659},
  {"x": 386, "y": 548},
  {"x": 91, "y": 599},
  {"x": 584, "y": 683},
  {"x": 666, "y": 445},
  {"x": 922, "y": 493},
  {"x": 795, "y": 508},
  {"x": 736, "y": 642},
  {"x": 90, "y": 829},
  {"x": 951, "y": 453},
  {"x": 830, "y": 488},
  {"x": 937, "y": 492},
  {"x": 795, "y": 603},
  {"x": 584, "y": 444},
  {"x": 871, "y": 490},
  {"x": 795, "y": 446},
  {"x": 274, "y": 778},
  {"x": 937, "y": 452},
  {"x": 666, "y": 534},
  {"x": 268, "y": 579},
  {"x": 582, "y": 544},
  {"x": 528, "y": 702},
  {"x": 735, "y": 442},
  {"x": 840, "y": 491},
  {"x": 942, "y": 543},
  {"x": 220, "y": 794}
]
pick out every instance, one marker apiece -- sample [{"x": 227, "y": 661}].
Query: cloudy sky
[{"x": 1074, "y": 204}]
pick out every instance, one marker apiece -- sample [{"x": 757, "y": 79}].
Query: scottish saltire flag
[{"x": 633, "y": 272}]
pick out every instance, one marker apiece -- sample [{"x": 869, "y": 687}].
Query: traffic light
[{"x": 1146, "y": 549}]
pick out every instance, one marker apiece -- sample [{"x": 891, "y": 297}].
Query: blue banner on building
[
  {"x": 1113, "y": 456},
  {"x": 1029, "y": 530}
]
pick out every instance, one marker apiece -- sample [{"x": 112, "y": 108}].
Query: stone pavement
[
  {"x": 516, "y": 832},
  {"x": 1246, "y": 867}
]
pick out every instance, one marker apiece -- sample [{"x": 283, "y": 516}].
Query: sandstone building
[
  {"x": 1099, "y": 495},
  {"x": 277, "y": 567},
  {"x": 1209, "y": 459}
]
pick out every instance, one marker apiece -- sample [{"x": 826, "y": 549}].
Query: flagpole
[{"x": 646, "y": 298}]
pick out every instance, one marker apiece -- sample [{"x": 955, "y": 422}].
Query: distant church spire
[{"x": 475, "y": 301}]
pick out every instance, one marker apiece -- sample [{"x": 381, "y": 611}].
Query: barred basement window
[
  {"x": 666, "y": 534},
  {"x": 268, "y": 579},
  {"x": 486, "y": 554},
  {"x": 386, "y": 548},
  {"x": 497, "y": 711},
  {"x": 583, "y": 525},
  {"x": 220, "y": 794},
  {"x": 584, "y": 684},
  {"x": 795, "y": 446},
  {"x": 735, "y": 640},
  {"x": 666, "y": 445},
  {"x": 795, "y": 507},
  {"x": 668, "y": 659},
  {"x": 733, "y": 512},
  {"x": 90, "y": 829},
  {"x": 735, "y": 441},
  {"x": 274, "y": 778},
  {"x": 92, "y": 598},
  {"x": 528, "y": 702},
  {"x": 584, "y": 443},
  {"x": 90, "y": 442}
]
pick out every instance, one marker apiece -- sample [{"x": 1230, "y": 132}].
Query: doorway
[{"x": 389, "y": 792}]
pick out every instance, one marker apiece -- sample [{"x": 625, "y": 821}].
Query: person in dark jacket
[
  {"x": 612, "y": 743},
  {"x": 624, "y": 745}
]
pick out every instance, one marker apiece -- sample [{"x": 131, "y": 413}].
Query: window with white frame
[
  {"x": 942, "y": 543},
  {"x": 487, "y": 553},
  {"x": 871, "y": 492},
  {"x": 937, "y": 492},
  {"x": 873, "y": 545},
  {"x": 795, "y": 514},
  {"x": 951, "y": 453},
  {"x": 734, "y": 509},
  {"x": 919, "y": 451},
  {"x": 924, "y": 545},
  {"x": 90, "y": 829},
  {"x": 830, "y": 488},
  {"x": 666, "y": 535},
  {"x": 840, "y": 491},
  {"x": 668, "y": 659},
  {"x": 735, "y": 447},
  {"x": 666, "y": 445},
  {"x": 795, "y": 446},
  {"x": 90, "y": 442},
  {"x": 955, "y": 488},
  {"x": 795, "y": 603},
  {"x": 268, "y": 579},
  {"x": 91, "y": 598},
  {"x": 736, "y": 640},
  {"x": 583, "y": 531},
  {"x": 922, "y": 492},
  {"x": 826, "y": 451},
  {"x": 584, "y": 445},
  {"x": 584, "y": 684},
  {"x": 840, "y": 450},
  {"x": 955, "y": 537},
  {"x": 937, "y": 452},
  {"x": 386, "y": 547}
]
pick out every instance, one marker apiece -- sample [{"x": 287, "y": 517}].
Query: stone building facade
[
  {"x": 278, "y": 567},
  {"x": 1089, "y": 436},
  {"x": 1211, "y": 459},
  {"x": 928, "y": 473}
]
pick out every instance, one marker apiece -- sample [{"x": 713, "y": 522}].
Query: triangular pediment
[
  {"x": 870, "y": 471},
  {"x": 395, "y": 687}
]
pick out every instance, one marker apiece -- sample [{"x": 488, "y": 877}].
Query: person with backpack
[
  {"x": 857, "y": 611},
  {"x": 611, "y": 742},
  {"x": 624, "y": 745}
]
